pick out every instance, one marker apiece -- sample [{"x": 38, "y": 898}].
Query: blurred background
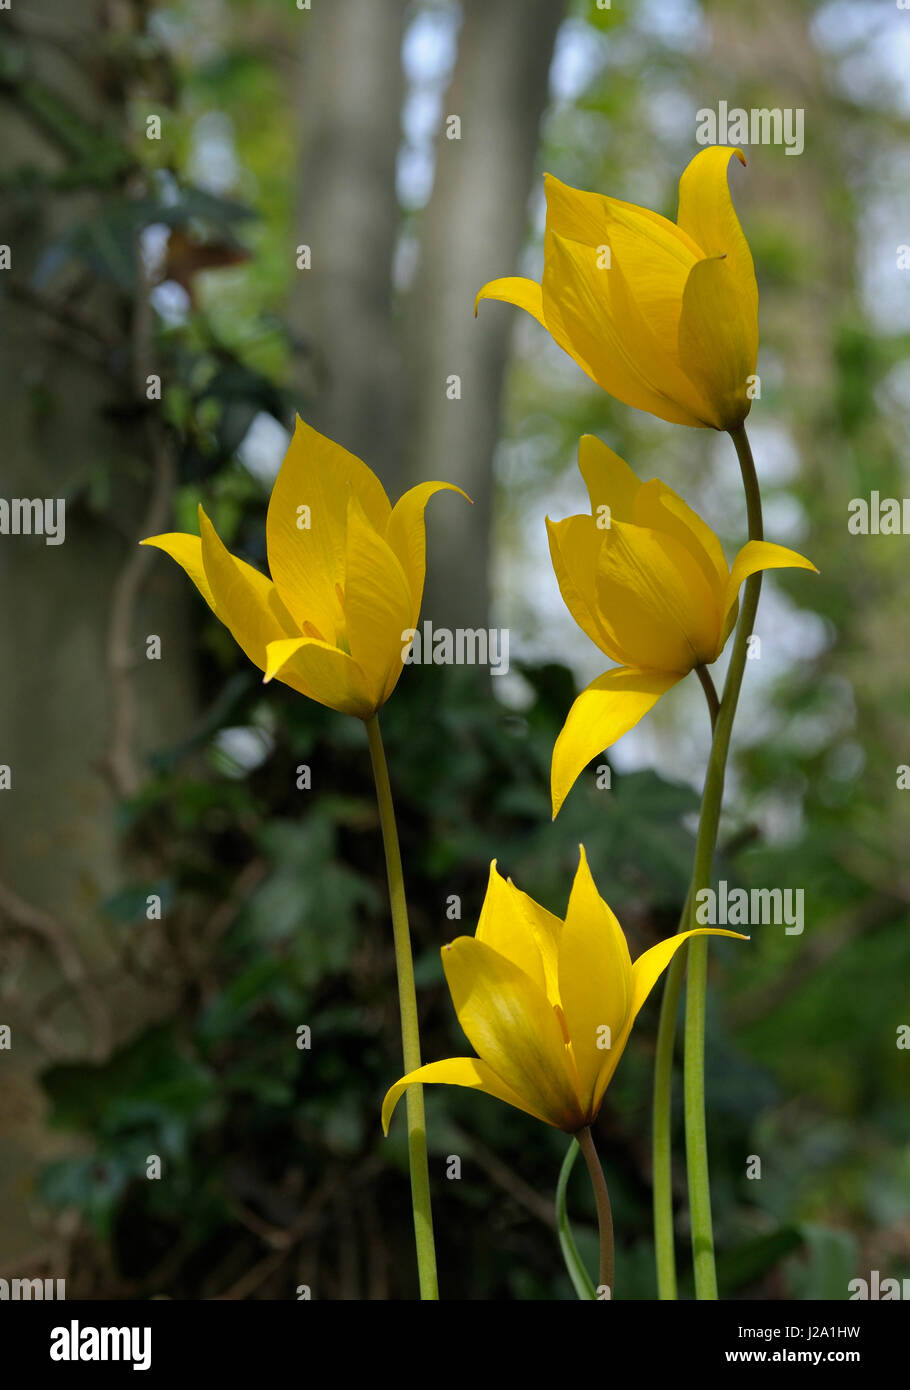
[{"x": 164, "y": 168}]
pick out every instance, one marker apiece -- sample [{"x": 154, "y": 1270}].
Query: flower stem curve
[{"x": 410, "y": 1027}]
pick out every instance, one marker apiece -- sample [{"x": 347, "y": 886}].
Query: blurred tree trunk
[
  {"x": 61, "y": 347},
  {"x": 835, "y": 362},
  {"x": 377, "y": 384},
  {"x": 340, "y": 315},
  {"x": 473, "y": 231}
]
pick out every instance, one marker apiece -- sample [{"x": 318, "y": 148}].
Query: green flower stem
[
  {"x": 604, "y": 1210},
  {"x": 661, "y": 1121},
  {"x": 662, "y": 1108},
  {"x": 708, "y": 686},
  {"x": 696, "y": 987},
  {"x": 696, "y": 955},
  {"x": 410, "y": 1027},
  {"x": 574, "y": 1264}
]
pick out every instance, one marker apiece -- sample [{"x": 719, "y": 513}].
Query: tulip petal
[
  {"x": 187, "y": 551},
  {"x": 718, "y": 331},
  {"x": 455, "y": 1071},
  {"x": 575, "y": 213},
  {"x": 244, "y": 600},
  {"x": 761, "y": 555},
  {"x": 659, "y": 507},
  {"x": 658, "y": 607},
  {"x": 707, "y": 213},
  {"x": 377, "y": 605},
  {"x": 651, "y": 964},
  {"x": 323, "y": 672},
  {"x": 609, "y": 479},
  {"x": 514, "y": 289},
  {"x": 592, "y": 315},
  {"x": 308, "y": 562},
  {"x": 407, "y": 536},
  {"x": 646, "y": 971},
  {"x": 718, "y": 341},
  {"x": 582, "y": 216},
  {"x": 653, "y": 258},
  {"x": 575, "y": 544},
  {"x": 546, "y": 928},
  {"x": 640, "y": 289},
  {"x": 505, "y": 928},
  {"x": 513, "y": 1028},
  {"x": 610, "y": 706},
  {"x": 594, "y": 979}
]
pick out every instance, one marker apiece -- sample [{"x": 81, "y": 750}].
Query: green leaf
[{"x": 737, "y": 1269}]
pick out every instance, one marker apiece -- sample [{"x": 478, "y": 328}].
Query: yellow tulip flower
[
  {"x": 347, "y": 577},
  {"x": 662, "y": 315},
  {"x": 548, "y": 1005},
  {"x": 646, "y": 579}
]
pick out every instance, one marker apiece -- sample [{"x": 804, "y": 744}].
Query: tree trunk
[
  {"x": 60, "y": 699},
  {"x": 473, "y": 231},
  {"x": 346, "y": 361}
]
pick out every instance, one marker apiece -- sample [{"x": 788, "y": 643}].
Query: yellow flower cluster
[{"x": 664, "y": 316}]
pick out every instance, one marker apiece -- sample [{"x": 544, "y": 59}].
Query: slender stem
[
  {"x": 661, "y": 1122},
  {"x": 410, "y": 1028},
  {"x": 696, "y": 988},
  {"x": 604, "y": 1210},
  {"x": 574, "y": 1264},
  {"x": 708, "y": 686},
  {"x": 662, "y": 1106}
]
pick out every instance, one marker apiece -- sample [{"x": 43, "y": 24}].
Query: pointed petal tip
[{"x": 730, "y": 150}]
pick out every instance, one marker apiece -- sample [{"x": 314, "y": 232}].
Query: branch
[{"x": 59, "y": 938}]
